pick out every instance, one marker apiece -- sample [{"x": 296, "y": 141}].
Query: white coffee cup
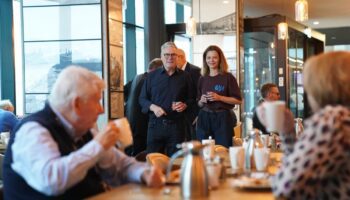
[
  {"x": 274, "y": 112},
  {"x": 5, "y": 137},
  {"x": 213, "y": 175},
  {"x": 261, "y": 158},
  {"x": 237, "y": 157},
  {"x": 125, "y": 138},
  {"x": 208, "y": 151},
  {"x": 266, "y": 140}
]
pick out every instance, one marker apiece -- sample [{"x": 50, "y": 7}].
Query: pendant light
[
  {"x": 282, "y": 31},
  {"x": 301, "y": 10},
  {"x": 191, "y": 27},
  {"x": 282, "y": 28}
]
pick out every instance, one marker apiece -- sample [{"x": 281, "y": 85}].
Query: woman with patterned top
[
  {"x": 218, "y": 93},
  {"x": 317, "y": 166}
]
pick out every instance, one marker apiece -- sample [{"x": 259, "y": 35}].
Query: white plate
[{"x": 252, "y": 182}]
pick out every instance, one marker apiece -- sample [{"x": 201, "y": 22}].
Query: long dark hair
[{"x": 223, "y": 66}]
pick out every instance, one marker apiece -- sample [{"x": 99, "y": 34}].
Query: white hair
[
  {"x": 167, "y": 45},
  {"x": 74, "y": 81},
  {"x": 6, "y": 105}
]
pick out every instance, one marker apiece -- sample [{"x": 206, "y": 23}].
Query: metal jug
[
  {"x": 252, "y": 141},
  {"x": 194, "y": 177}
]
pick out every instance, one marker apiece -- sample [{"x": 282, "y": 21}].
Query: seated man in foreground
[{"x": 54, "y": 154}]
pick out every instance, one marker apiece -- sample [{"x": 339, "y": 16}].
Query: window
[
  {"x": 134, "y": 39},
  {"x": 70, "y": 33}
]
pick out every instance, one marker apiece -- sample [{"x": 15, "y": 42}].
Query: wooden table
[
  {"x": 225, "y": 191},
  {"x": 141, "y": 192}
]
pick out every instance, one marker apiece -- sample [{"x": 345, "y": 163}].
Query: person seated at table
[
  {"x": 316, "y": 166},
  {"x": 269, "y": 92},
  {"x": 54, "y": 153},
  {"x": 8, "y": 120}
]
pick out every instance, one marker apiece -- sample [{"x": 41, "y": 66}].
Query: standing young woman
[{"x": 218, "y": 93}]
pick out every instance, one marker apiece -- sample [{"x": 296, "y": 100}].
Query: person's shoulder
[
  {"x": 6, "y": 113},
  {"x": 155, "y": 72},
  {"x": 329, "y": 116},
  {"x": 229, "y": 75},
  {"x": 193, "y": 67}
]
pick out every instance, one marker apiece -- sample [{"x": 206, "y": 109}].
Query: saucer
[{"x": 255, "y": 180}]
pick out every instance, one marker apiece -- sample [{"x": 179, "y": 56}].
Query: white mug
[
  {"x": 5, "y": 137},
  {"x": 265, "y": 139},
  {"x": 213, "y": 175},
  {"x": 209, "y": 151},
  {"x": 125, "y": 138},
  {"x": 274, "y": 112},
  {"x": 261, "y": 158},
  {"x": 237, "y": 157}
]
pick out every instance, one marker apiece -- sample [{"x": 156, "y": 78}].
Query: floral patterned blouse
[{"x": 317, "y": 166}]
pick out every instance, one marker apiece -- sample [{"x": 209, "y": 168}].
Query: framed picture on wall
[
  {"x": 116, "y": 104},
  {"x": 115, "y": 59},
  {"x": 116, "y": 72},
  {"x": 115, "y": 10},
  {"x": 115, "y": 33}
]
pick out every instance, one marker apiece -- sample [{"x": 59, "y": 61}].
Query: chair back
[
  {"x": 159, "y": 160},
  {"x": 221, "y": 150},
  {"x": 237, "y": 130}
]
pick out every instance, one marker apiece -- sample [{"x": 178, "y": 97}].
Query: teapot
[{"x": 194, "y": 178}]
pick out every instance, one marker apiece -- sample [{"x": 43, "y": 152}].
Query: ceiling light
[
  {"x": 316, "y": 22},
  {"x": 225, "y": 2},
  {"x": 301, "y": 10}
]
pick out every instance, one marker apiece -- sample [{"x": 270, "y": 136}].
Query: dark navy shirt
[{"x": 161, "y": 89}]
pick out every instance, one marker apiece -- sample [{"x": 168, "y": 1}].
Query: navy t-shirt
[{"x": 223, "y": 84}]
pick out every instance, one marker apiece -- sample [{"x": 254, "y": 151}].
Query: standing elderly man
[
  {"x": 54, "y": 153},
  {"x": 269, "y": 92},
  {"x": 195, "y": 73},
  {"x": 166, "y": 94}
]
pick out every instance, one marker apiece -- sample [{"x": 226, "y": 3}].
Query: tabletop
[
  {"x": 138, "y": 191},
  {"x": 226, "y": 190}
]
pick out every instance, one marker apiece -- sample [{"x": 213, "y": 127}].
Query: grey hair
[
  {"x": 5, "y": 104},
  {"x": 167, "y": 45},
  {"x": 74, "y": 81}
]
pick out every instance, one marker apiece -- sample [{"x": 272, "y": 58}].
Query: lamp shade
[
  {"x": 301, "y": 10},
  {"x": 191, "y": 27},
  {"x": 282, "y": 31}
]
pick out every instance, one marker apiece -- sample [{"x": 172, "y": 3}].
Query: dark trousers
[
  {"x": 218, "y": 125},
  {"x": 190, "y": 130},
  {"x": 163, "y": 135}
]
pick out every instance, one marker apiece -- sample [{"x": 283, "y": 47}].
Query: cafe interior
[{"x": 264, "y": 41}]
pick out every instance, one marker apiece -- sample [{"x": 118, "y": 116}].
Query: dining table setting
[{"x": 224, "y": 182}]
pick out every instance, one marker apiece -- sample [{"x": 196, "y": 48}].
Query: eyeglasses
[{"x": 167, "y": 55}]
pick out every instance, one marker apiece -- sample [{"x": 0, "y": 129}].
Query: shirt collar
[
  {"x": 66, "y": 125},
  {"x": 184, "y": 66},
  {"x": 164, "y": 70}
]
